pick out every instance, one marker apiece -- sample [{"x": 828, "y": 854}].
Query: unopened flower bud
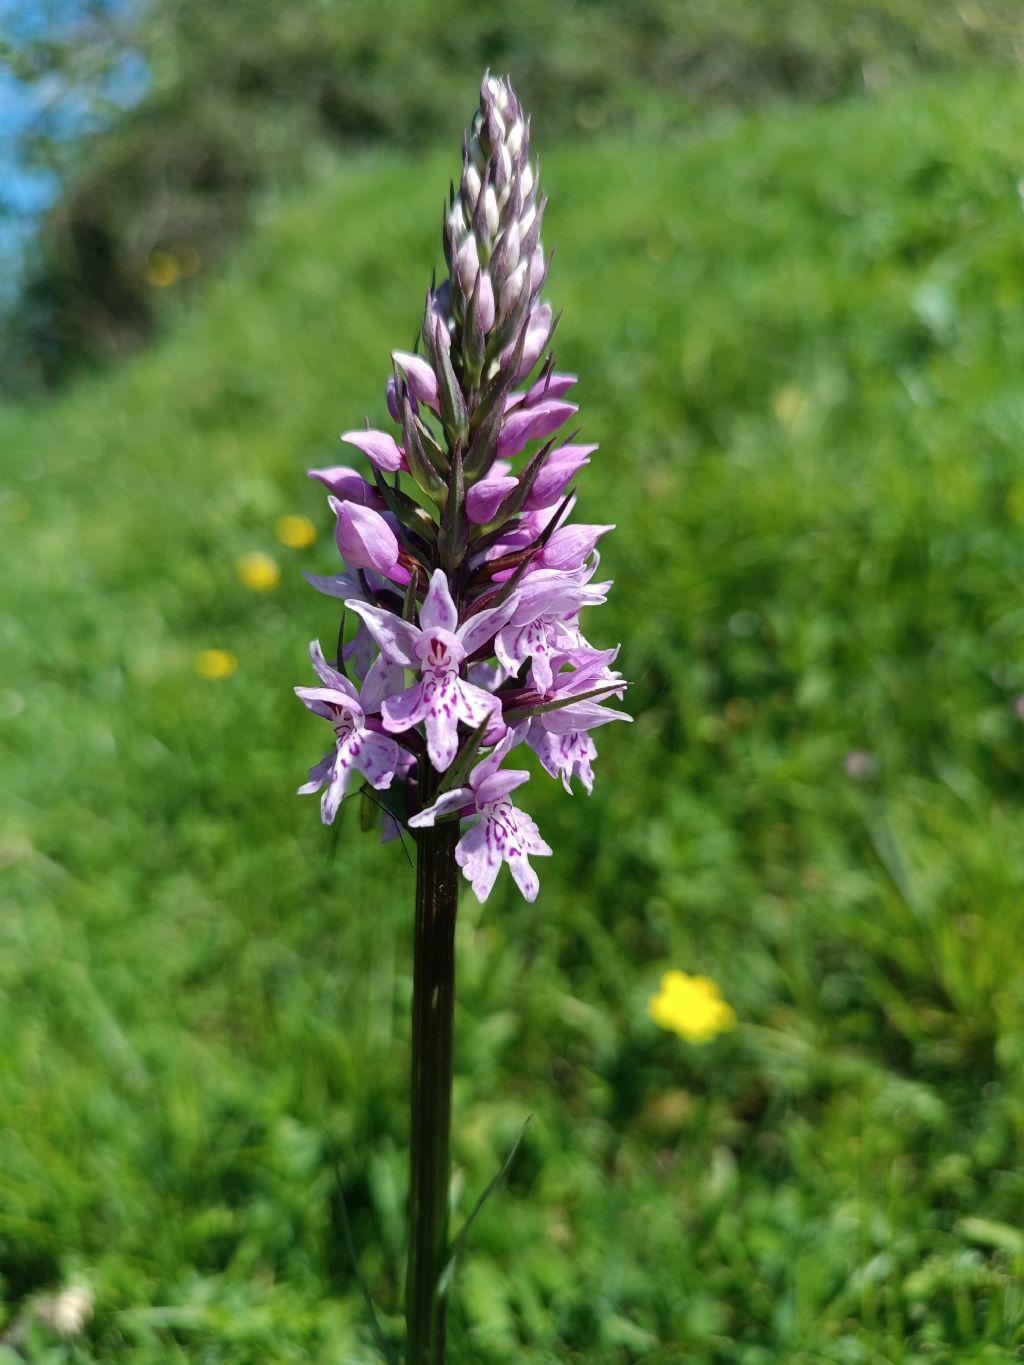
[
  {"x": 366, "y": 541},
  {"x": 570, "y": 546},
  {"x": 531, "y": 424},
  {"x": 537, "y": 333},
  {"x": 420, "y": 377},
  {"x": 348, "y": 485},
  {"x": 538, "y": 269},
  {"x": 554, "y": 475},
  {"x": 486, "y": 305},
  {"x": 491, "y": 211},
  {"x": 378, "y": 447},
  {"x": 391, "y": 398},
  {"x": 485, "y": 497},
  {"x": 512, "y": 289},
  {"x": 471, "y": 183},
  {"x": 467, "y": 264}
]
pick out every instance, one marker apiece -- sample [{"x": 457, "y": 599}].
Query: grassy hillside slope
[{"x": 801, "y": 346}]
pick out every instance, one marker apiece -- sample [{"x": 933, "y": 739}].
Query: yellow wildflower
[
  {"x": 215, "y": 663},
  {"x": 296, "y": 532},
  {"x": 259, "y": 572},
  {"x": 787, "y": 404},
  {"x": 161, "y": 270},
  {"x": 690, "y": 1006}
]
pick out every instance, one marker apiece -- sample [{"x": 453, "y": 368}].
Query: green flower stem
[{"x": 437, "y": 892}]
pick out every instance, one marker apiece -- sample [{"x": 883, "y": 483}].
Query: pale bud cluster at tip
[{"x": 492, "y": 242}]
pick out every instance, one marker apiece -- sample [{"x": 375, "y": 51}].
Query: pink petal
[
  {"x": 348, "y": 485},
  {"x": 329, "y": 676},
  {"x": 378, "y": 447},
  {"x": 377, "y": 759},
  {"x": 395, "y": 638},
  {"x": 405, "y": 710},
  {"x": 420, "y": 377},
  {"x": 485, "y": 497},
  {"x": 438, "y": 610},
  {"x": 570, "y": 545},
  {"x": 444, "y": 805},
  {"x": 478, "y": 860},
  {"x": 530, "y": 424}
]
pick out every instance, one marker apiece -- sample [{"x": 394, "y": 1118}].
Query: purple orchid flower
[
  {"x": 357, "y": 747},
  {"x": 544, "y": 622},
  {"x": 504, "y": 833},
  {"x": 517, "y": 672},
  {"x": 438, "y": 648},
  {"x": 560, "y": 738}
]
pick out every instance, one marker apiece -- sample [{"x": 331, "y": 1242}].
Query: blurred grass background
[{"x": 797, "y": 311}]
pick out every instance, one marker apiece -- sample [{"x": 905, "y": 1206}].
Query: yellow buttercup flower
[
  {"x": 161, "y": 270},
  {"x": 259, "y": 572},
  {"x": 215, "y": 663},
  {"x": 691, "y": 1006},
  {"x": 298, "y": 533}
]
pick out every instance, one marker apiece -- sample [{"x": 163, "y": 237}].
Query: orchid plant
[{"x": 464, "y": 577}]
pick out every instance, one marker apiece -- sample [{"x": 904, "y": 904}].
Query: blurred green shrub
[{"x": 243, "y": 95}]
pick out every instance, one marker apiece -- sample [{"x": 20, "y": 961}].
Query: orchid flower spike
[{"x": 464, "y": 579}]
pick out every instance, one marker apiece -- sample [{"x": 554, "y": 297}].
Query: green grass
[{"x": 800, "y": 339}]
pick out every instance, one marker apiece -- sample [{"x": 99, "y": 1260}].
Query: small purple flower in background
[{"x": 860, "y": 765}]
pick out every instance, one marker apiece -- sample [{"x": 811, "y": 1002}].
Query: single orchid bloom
[
  {"x": 544, "y": 622},
  {"x": 437, "y": 648},
  {"x": 357, "y": 747},
  {"x": 504, "y": 833},
  {"x": 560, "y": 737}
]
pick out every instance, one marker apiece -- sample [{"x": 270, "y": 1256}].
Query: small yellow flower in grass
[
  {"x": 215, "y": 663},
  {"x": 788, "y": 404},
  {"x": 298, "y": 533},
  {"x": 259, "y": 572},
  {"x": 690, "y": 1006},
  {"x": 161, "y": 270}
]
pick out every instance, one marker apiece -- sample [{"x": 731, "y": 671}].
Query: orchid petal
[
  {"x": 378, "y": 447},
  {"x": 395, "y": 638},
  {"x": 445, "y": 804},
  {"x": 438, "y": 610}
]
